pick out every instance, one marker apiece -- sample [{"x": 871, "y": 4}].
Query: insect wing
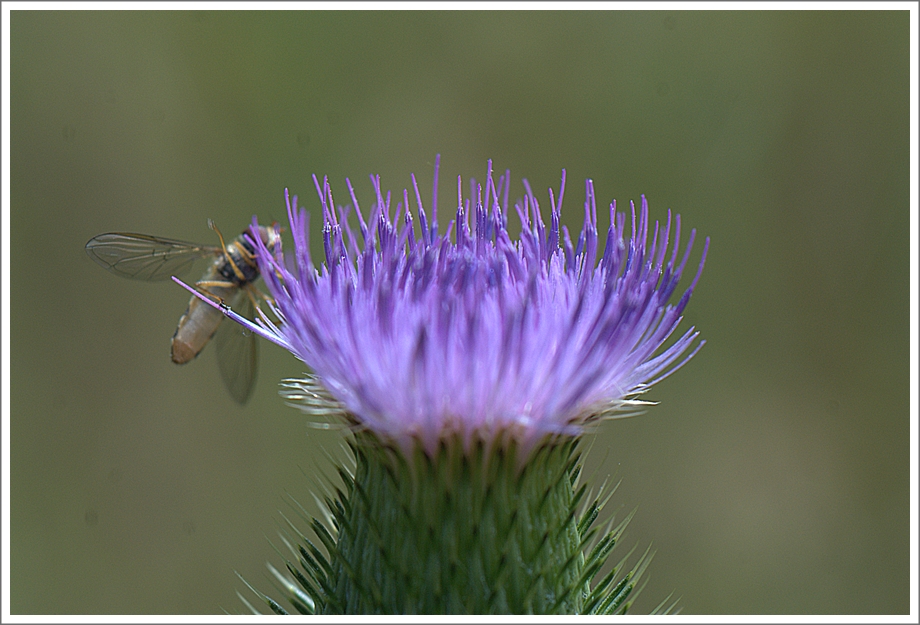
[
  {"x": 237, "y": 351},
  {"x": 145, "y": 257}
]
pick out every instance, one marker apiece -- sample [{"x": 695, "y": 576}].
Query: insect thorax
[{"x": 243, "y": 257}]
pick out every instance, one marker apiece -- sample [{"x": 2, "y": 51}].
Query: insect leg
[{"x": 204, "y": 285}]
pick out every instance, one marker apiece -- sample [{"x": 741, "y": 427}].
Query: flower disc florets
[{"x": 420, "y": 335}]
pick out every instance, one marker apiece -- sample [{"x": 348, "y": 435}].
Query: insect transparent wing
[
  {"x": 237, "y": 350},
  {"x": 145, "y": 257}
]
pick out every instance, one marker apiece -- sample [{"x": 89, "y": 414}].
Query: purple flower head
[{"x": 418, "y": 334}]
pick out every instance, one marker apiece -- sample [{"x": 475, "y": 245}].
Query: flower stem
[{"x": 468, "y": 531}]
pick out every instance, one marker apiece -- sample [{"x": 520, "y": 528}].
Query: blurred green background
[{"x": 772, "y": 477}]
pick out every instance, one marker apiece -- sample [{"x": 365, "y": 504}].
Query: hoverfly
[{"x": 228, "y": 279}]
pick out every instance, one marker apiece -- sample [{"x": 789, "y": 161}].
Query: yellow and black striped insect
[{"x": 229, "y": 279}]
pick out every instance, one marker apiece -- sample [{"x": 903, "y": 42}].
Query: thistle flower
[
  {"x": 470, "y": 362},
  {"x": 423, "y": 336}
]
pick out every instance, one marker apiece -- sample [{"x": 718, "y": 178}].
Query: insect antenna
[{"x": 223, "y": 246}]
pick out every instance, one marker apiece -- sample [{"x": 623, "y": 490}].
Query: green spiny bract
[{"x": 472, "y": 530}]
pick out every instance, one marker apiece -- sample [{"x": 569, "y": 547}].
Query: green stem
[
  {"x": 476, "y": 529},
  {"x": 465, "y": 532}
]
